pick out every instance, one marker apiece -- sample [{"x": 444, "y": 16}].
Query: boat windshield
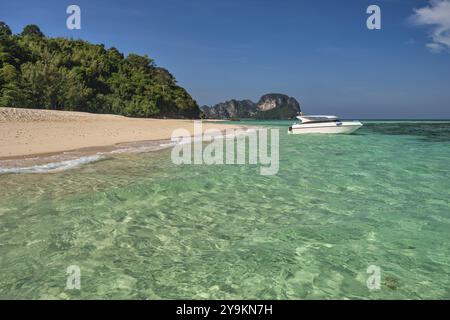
[{"x": 311, "y": 119}]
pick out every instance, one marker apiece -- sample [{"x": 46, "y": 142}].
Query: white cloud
[
  {"x": 436, "y": 15},
  {"x": 435, "y": 47}
]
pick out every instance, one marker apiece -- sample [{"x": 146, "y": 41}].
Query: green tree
[
  {"x": 32, "y": 30},
  {"x": 10, "y": 93},
  {"x": 63, "y": 74},
  {"x": 5, "y": 29}
]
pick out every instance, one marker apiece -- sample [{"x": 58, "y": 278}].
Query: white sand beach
[{"x": 25, "y": 132}]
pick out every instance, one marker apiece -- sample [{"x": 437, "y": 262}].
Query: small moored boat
[{"x": 323, "y": 124}]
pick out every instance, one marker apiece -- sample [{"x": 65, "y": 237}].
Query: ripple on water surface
[{"x": 140, "y": 227}]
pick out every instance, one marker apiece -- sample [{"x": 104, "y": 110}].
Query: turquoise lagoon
[{"x": 140, "y": 227}]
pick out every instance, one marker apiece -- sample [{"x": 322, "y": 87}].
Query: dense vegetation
[{"x": 63, "y": 74}]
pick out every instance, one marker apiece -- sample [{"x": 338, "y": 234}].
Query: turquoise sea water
[{"x": 140, "y": 227}]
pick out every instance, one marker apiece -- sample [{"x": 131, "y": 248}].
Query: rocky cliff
[{"x": 269, "y": 106}]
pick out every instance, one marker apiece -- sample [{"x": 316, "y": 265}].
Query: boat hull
[{"x": 345, "y": 127}]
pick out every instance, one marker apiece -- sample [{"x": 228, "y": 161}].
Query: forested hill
[{"x": 62, "y": 74}]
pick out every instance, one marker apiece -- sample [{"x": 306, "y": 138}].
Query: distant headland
[{"x": 269, "y": 106}]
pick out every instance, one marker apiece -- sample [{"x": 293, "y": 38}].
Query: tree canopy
[
  {"x": 32, "y": 30},
  {"x": 4, "y": 29},
  {"x": 63, "y": 74}
]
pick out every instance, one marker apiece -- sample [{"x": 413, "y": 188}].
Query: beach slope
[{"x": 26, "y": 132}]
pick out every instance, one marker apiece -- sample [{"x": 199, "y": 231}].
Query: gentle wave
[
  {"x": 137, "y": 148},
  {"x": 54, "y": 166},
  {"x": 200, "y": 138}
]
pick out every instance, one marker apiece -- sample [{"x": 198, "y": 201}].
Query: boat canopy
[{"x": 317, "y": 118}]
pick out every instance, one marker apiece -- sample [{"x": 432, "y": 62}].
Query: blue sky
[{"x": 319, "y": 52}]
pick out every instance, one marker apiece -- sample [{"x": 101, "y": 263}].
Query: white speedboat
[{"x": 323, "y": 124}]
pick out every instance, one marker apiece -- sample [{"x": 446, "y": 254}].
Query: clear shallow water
[{"x": 140, "y": 227}]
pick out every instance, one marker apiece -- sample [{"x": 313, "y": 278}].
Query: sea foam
[
  {"x": 52, "y": 167},
  {"x": 200, "y": 138}
]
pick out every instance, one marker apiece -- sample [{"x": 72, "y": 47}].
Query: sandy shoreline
[{"x": 28, "y": 133}]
